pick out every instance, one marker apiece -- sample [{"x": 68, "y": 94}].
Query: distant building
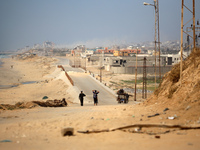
[
  {"x": 48, "y": 44},
  {"x": 172, "y": 59},
  {"x": 119, "y": 52},
  {"x": 126, "y": 52},
  {"x": 78, "y": 50},
  {"x": 105, "y": 51},
  {"x": 81, "y": 48},
  {"x": 89, "y": 52},
  {"x": 37, "y": 46},
  {"x": 130, "y": 47}
]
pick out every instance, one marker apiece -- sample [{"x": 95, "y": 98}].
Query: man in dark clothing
[
  {"x": 81, "y": 95},
  {"x": 95, "y": 92}
]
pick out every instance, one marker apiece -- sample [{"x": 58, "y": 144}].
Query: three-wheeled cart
[{"x": 122, "y": 96}]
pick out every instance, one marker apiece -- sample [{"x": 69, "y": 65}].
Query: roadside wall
[{"x": 131, "y": 70}]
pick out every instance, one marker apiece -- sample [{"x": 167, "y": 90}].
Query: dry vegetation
[{"x": 181, "y": 96}]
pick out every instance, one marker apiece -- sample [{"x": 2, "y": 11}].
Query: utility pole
[
  {"x": 155, "y": 40},
  {"x": 158, "y": 29},
  {"x": 182, "y": 31},
  {"x": 79, "y": 60},
  {"x": 194, "y": 41},
  {"x": 85, "y": 62},
  {"x": 144, "y": 89},
  {"x": 157, "y": 37},
  {"x": 85, "y": 58},
  {"x": 101, "y": 64},
  {"x": 74, "y": 59},
  {"x": 136, "y": 76},
  {"x": 100, "y": 74},
  {"x": 181, "y": 63}
]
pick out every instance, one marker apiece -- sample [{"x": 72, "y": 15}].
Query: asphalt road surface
[
  {"x": 65, "y": 63},
  {"x": 86, "y": 83}
]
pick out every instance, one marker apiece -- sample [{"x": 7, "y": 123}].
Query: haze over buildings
[{"x": 91, "y": 23}]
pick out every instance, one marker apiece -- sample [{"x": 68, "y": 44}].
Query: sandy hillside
[{"x": 182, "y": 98}]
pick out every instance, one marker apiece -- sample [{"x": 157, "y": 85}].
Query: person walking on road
[
  {"x": 81, "y": 96},
  {"x": 95, "y": 96}
]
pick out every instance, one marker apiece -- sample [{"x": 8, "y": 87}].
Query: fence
[
  {"x": 69, "y": 78},
  {"x": 131, "y": 70}
]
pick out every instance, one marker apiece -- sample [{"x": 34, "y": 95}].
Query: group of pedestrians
[{"x": 95, "y": 97}]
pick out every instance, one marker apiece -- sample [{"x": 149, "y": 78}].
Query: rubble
[{"x": 32, "y": 104}]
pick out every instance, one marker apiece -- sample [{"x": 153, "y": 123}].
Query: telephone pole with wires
[
  {"x": 187, "y": 32},
  {"x": 157, "y": 37}
]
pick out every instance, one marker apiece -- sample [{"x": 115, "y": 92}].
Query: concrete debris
[
  {"x": 188, "y": 107},
  {"x": 166, "y": 109},
  {"x": 52, "y": 103},
  {"x": 69, "y": 131},
  {"x": 32, "y": 104},
  {"x": 157, "y": 114}
]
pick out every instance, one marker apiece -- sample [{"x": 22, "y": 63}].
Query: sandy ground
[
  {"x": 36, "y": 70},
  {"x": 40, "y": 128}
]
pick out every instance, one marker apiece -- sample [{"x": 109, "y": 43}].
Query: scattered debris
[
  {"x": 181, "y": 133},
  {"x": 45, "y": 97},
  {"x": 166, "y": 109},
  {"x": 171, "y": 118},
  {"x": 157, "y": 114},
  {"x": 94, "y": 131},
  {"x": 188, "y": 107},
  {"x": 19, "y": 105},
  {"x": 22, "y": 105},
  {"x": 140, "y": 126},
  {"x": 157, "y": 137},
  {"x": 52, "y": 103},
  {"x": 137, "y": 129},
  {"x": 69, "y": 131},
  {"x": 4, "y": 141}
]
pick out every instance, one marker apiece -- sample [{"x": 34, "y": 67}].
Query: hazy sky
[{"x": 90, "y": 22}]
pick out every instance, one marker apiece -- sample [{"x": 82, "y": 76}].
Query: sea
[{"x": 4, "y": 56}]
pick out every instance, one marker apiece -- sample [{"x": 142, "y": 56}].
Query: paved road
[
  {"x": 65, "y": 63},
  {"x": 86, "y": 83}
]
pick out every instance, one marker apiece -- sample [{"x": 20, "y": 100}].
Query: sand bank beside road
[{"x": 30, "y": 80}]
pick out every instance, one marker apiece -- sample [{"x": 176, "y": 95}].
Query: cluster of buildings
[
  {"x": 123, "y": 60},
  {"x": 119, "y": 60}
]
